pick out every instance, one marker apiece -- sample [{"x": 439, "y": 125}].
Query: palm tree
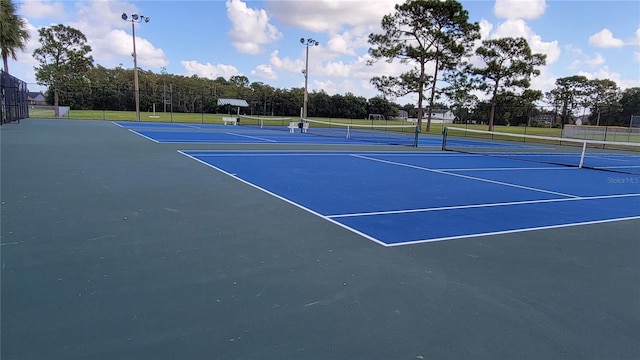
[{"x": 13, "y": 35}]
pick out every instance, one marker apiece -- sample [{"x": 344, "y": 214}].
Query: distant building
[
  {"x": 438, "y": 116},
  {"x": 36, "y": 98}
]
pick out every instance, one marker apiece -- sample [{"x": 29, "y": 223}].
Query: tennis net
[
  {"x": 622, "y": 157},
  {"x": 265, "y": 121},
  {"x": 396, "y": 134}
]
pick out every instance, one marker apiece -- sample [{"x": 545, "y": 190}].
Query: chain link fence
[{"x": 14, "y": 99}]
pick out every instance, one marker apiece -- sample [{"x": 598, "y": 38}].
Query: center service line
[{"x": 466, "y": 176}]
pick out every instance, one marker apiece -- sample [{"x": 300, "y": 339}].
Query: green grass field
[{"x": 131, "y": 116}]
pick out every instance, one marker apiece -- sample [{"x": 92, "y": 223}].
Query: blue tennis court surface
[
  {"x": 397, "y": 198},
  {"x": 253, "y": 134}
]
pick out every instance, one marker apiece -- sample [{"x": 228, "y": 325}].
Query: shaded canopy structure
[{"x": 233, "y": 102}]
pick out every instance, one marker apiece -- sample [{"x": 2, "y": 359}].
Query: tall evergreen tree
[
  {"x": 570, "y": 93},
  {"x": 420, "y": 32},
  {"x": 603, "y": 97},
  {"x": 64, "y": 58},
  {"x": 509, "y": 64}
]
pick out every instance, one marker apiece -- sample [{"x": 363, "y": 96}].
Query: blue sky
[{"x": 261, "y": 39}]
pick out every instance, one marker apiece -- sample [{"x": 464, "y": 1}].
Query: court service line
[
  {"x": 610, "y": 157},
  {"x": 251, "y": 137},
  {"x": 511, "y": 168},
  {"x": 466, "y": 176},
  {"x": 271, "y": 153},
  {"x": 144, "y": 136},
  {"x": 475, "y": 206},
  {"x": 550, "y": 227},
  {"x": 286, "y": 200},
  {"x": 188, "y": 126},
  {"x": 622, "y": 167}
]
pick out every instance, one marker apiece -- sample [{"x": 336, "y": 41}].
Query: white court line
[
  {"x": 474, "y": 206},
  {"x": 251, "y": 137},
  {"x": 292, "y": 152},
  {"x": 612, "y": 157},
  {"x": 12, "y": 243},
  {"x": 144, "y": 136},
  {"x": 116, "y": 124},
  {"x": 514, "y": 231},
  {"x": 286, "y": 200},
  {"x": 511, "y": 168},
  {"x": 265, "y": 153},
  {"x": 619, "y": 167},
  {"x": 467, "y": 177},
  {"x": 191, "y": 126},
  {"x": 276, "y": 143}
]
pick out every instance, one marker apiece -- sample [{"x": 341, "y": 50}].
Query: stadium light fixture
[
  {"x": 308, "y": 43},
  {"x": 135, "y": 18}
]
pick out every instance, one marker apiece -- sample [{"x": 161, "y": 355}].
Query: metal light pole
[
  {"x": 306, "y": 42},
  {"x": 135, "y": 18}
]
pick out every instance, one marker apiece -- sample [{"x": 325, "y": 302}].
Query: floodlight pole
[
  {"x": 306, "y": 42},
  {"x": 135, "y": 18}
]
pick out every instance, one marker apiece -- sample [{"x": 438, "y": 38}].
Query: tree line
[{"x": 112, "y": 89}]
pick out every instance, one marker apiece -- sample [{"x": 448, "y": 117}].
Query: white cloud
[
  {"x": 285, "y": 63},
  {"x": 30, "y": 46},
  {"x": 250, "y": 27},
  {"x": 97, "y": 20},
  {"x": 485, "y": 29},
  {"x": 341, "y": 87},
  {"x": 575, "y": 64},
  {"x": 149, "y": 55},
  {"x": 336, "y": 69},
  {"x": 264, "y": 72},
  {"x": 519, "y": 9},
  {"x": 111, "y": 47},
  {"x": 572, "y": 49},
  {"x": 327, "y": 86},
  {"x": 42, "y": 9},
  {"x": 330, "y": 15},
  {"x": 605, "y": 73},
  {"x": 519, "y": 28},
  {"x": 208, "y": 70},
  {"x": 338, "y": 75},
  {"x": 342, "y": 44},
  {"x": 544, "y": 82},
  {"x": 596, "y": 61},
  {"x": 605, "y": 39},
  {"x": 549, "y": 48},
  {"x": 512, "y": 28}
]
